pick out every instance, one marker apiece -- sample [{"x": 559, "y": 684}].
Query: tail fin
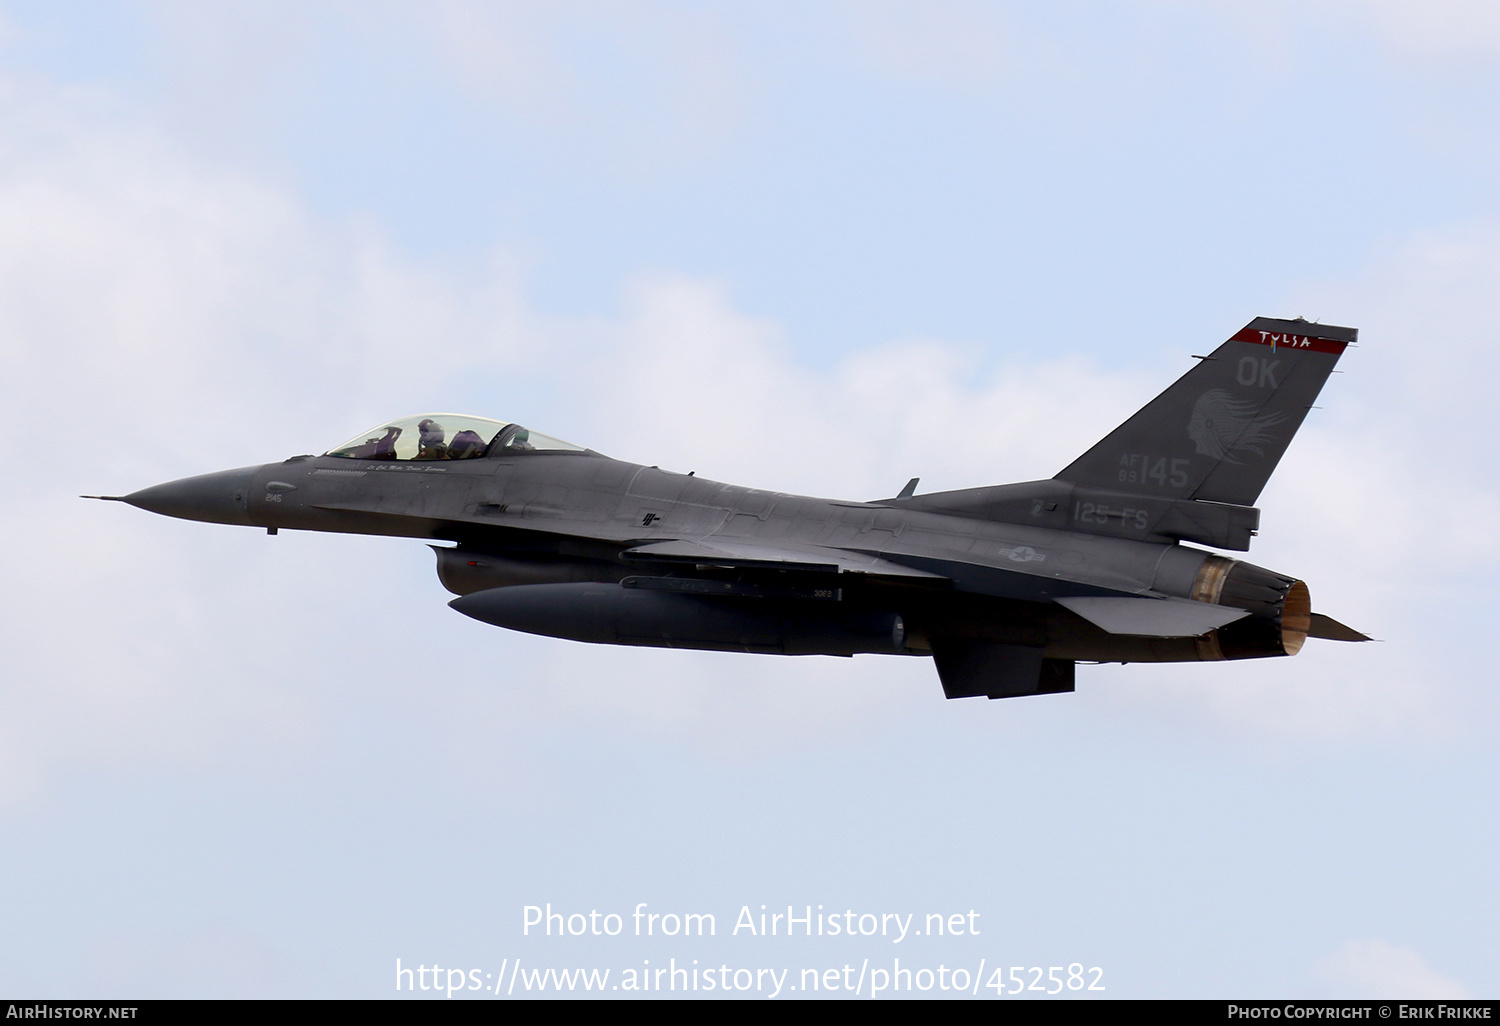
[{"x": 1218, "y": 432}]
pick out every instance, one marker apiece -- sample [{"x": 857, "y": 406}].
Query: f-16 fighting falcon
[{"x": 1006, "y": 587}]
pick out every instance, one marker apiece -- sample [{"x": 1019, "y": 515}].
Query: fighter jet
[{"x": 1007, "y": 588}]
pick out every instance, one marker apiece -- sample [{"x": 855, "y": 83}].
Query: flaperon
[{"x": 1006, "y": 587}]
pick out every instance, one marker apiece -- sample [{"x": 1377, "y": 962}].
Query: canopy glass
[{"x": 448, "y": 436}]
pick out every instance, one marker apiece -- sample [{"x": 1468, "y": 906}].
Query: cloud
[
  {"x": 161, "y": 315},
  {"x": 653, "y": 65},
  {"x": 959, "y": 43},
  {"x": 696, "y": 385},
  {"x": 208, "y": 960},
  {"x": 1377, "y": 969},
  {"x": 1121, "y": 53},
  {"x": 639, "y": 89},
  {"x": 1428, "y": 27},
  {"x": 691, "y": 380}
]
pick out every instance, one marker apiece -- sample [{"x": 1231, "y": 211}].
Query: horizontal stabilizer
[
  {"x": 1329, "y": 629},
  {"x": 1150, "y": 617}
]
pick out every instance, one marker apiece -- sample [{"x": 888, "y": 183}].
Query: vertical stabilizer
[{"x": 1218, "y": 432}]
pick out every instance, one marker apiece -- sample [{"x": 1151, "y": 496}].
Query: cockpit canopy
[{"x": 448, "y": 436}]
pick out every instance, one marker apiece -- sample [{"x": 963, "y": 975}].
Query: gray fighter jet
[{"x": 1005, "y": 587}]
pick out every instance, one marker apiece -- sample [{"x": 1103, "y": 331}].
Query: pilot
[
  {"x": 378, "y": 448},
  {"x": 430, "y": 441},
  {"x": 466, "y": 444}
]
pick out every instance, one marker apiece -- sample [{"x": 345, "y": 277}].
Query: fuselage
[{"x": 549, "y": 518}]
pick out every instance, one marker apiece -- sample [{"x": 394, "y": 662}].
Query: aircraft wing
[{"x": 812, "y": 558}]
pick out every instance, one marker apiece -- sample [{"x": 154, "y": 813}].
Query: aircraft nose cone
[{"x": 213, "y": 498}]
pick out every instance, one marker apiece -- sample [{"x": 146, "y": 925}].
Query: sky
[{"x": 814, "y": 247}]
